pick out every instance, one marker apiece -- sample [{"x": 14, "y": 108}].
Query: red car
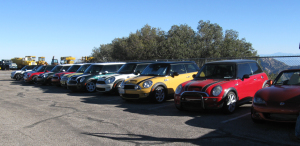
[
  {"x": 281, "y": 101},
  {"x": 221, "y": 85},
  {"x": 31, "y": 77},
  {"x": 56, "y": 78}
]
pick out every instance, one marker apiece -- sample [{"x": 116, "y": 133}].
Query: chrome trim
[
  {"x": 203, "y": 107},
  {"x": 194, "y": 92}
]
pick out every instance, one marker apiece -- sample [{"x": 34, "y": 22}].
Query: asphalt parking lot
[{"x": 50, "y": 115}]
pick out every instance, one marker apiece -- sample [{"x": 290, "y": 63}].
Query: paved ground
[{"x": 50, "y": 115}]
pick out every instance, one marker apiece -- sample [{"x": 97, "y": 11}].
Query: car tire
[
  {"x": 159, "y": 94},
  {"x": 34, "y": 79},
  {"x": 17, "y": 77},
  {"x": 230, "y": 103},
  {"x": 90, "y": 86},
  {"x": 116, "y": 88}
]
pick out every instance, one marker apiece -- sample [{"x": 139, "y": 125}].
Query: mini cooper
[
  {"x": 90, "y": 76},
  {"x": 45, "y": 78},
  {"x": 64, "y": 78},
  {"x": 32, "y": 76},
  {"x": 221, "y": 85},
  {"x": 280, "y": 102},
  {"x": 158, "y": 81},
  {"x": 57, "y": 77},
  {"x": 18, "y": 74},
  {"x": 112, "y": 83}
]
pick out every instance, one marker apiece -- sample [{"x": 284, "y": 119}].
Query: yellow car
[{"x": 158, "y": 81}]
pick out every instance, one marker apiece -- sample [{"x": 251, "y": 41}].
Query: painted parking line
[
  {"x": 235, "y": 118},
  {"x": 160, "y": 106}
]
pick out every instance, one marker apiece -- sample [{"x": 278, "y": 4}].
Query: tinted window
[
  {"x": 64, "y": 68},
  {"x": 155, "y": 70},
  {"x": 243, "y": 69},
  {"x": 179, "y": 68},
  {"x": 119, "y": 66},
  {"x": 191, "y": 68},
  {"x": 30, "y": 67},
  {"x": 255, "y": 68},
  {"x": 217, "y": 71},
  {"x": 73, "y": 68},
  {"x": 41, "y": 69},
  {"x": 140, "y": 68},
  {"x": 110, "y": 68},
  {"x": 126, "y": 68},
  {"x": 93, "y": 69},
  {"x": 83, "y": 68},
  {"x": 55, "y": 69}
]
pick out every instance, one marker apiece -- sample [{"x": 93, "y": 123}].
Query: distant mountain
[
  {"x": 291, "y": 61},
  {"x": 274, "y": 66},
  {"x": 280, "y": 54}
]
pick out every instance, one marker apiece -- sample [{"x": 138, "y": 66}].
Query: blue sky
[{"x": 74, "y": 27}]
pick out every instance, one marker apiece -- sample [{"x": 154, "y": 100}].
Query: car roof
[
  {"x": 150, "y": 62},
  {"x": 109, "y": 63},
  {"x": 174, "y": 62},
  {"x": 232, "y": 61}
]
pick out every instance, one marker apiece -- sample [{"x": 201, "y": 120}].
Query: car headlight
[
  {"x": 216, "y": 90},
  {"x": 110, "y": 80},
  {"x": 82, "y": 79},
  {"x": 178, "y": 89},
  {"x": 258, "y": 100},
  {"x": 45, "y": 75},
  {"x": 147, "y": 84}
]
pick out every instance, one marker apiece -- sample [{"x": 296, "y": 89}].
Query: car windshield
[
  {"x": 56, "y": 69},
  {"x": 73, "y": 68},
  {"x": 127, "y": 69},
  {"x": 41, "y": 69},
  {"x": 93, "y": 69},
  {"x": 217, "y": 71},
  {"x": 83, "y": 68},
  {"x": 155, "y": 70},
  {"x": 25, "y": 67},
  {"x": 288, "y": 78},
  {"x": 35, "y": 68}
]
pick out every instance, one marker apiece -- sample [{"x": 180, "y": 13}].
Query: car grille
[
  {"x": 129, "y": 86},
  {"x": 72, "y": 82},
  {"x": 194, "y": 88},
  {"x": 130, "y": 95},
  {"x": 100, "y": 82},
  {"x": 281, "y": 117}
]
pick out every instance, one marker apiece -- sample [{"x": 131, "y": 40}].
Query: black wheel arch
[
  {"x": 117, "y": 81},
  {"x": 228, "y": 90},
  {"x": 160, "y": 84}
]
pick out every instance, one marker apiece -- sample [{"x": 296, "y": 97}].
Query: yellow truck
[
  {"x": 41, "y": 61},
  {"x": 27, "y": 60},
  {"x": 87, "y": 59},
  {"x": 67, "y": 60}
]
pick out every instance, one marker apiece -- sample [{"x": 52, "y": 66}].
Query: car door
[
  {"x": 245, "y": 86},
  {"x": 258, "y": 76},
  {"x": 174, "y": 81}
]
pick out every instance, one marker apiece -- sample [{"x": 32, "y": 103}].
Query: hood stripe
[
  {"x": 145, "y": 80},
  {"x": 208, "y": 85},
  {"x": 188, "y": 85}
]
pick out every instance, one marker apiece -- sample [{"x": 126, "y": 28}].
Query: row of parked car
[{"x": 220, "y": 85}]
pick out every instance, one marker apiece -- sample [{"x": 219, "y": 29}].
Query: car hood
[
  {"x": 203, "y": 85},
  {"x": 119, "y": 76},
  {"x": 73, "y": 74},
  {"x": 285, "y": 93},
  {"x": 139, "y": 79}
]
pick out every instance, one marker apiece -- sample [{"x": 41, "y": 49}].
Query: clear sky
[{"x": 74, "y": 27}]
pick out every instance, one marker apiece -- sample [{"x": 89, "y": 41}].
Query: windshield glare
[
  {"x": 93, "y": 69},
  {"x": 217, "y": 71},
  {"x": 288, "y": 78},
  {"x": 155, "y": 70},
  {"x": 126, "y": 69}
]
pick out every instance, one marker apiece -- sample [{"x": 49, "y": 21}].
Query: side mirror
[
  {"x": 175, "y": 74},
  {"x": 245, "y": 76},
  {"x": 269, "y": 82},
  {"x": 194, "y": 75},
  {"x": 137, "y": 73}
]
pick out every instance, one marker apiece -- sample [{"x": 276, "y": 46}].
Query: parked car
[
  {"x": 111, "y": 83},
  {"x": 45, "y": 78},
  {"x": 64, "y": 78},
  {"x": 57, "y": 77},
  {"x": 88, "y": 80},
  {"x": 221, "y": 85},
  {"x": 280, "y": 102},
  {"x": 158, "y": 81},
  {"x": 18, "y": 73},
  {"x": 31, "y": 77}
]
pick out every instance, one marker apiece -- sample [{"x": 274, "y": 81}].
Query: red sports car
[
  {"x": 221, "y": 85},
  {"x": 281, "y": 101}
]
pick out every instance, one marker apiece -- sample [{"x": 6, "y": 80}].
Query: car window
[
  {"x": 288, "y": 78},
  {"x": 126, "y": 69},
  {"x": 110, "y": 68},
  {"x": 155, "y": 70},
  {"x": 255, "y": 68},
  {"x": 243, "y": 69},
  {"x": 179, "y": 68},
  {"x": 191, "y": 68},
  {"x": 217, "y": 71},
  {"x": 141, "y": 67},
  {"x": 119, "y": 66},
  {"x": 82, "y": 68}
]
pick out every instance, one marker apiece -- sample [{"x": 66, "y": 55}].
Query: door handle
[
  {"x": 254, "y": 79},
  {"x": 187, "y": 76}
]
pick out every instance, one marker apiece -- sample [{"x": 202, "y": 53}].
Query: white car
[
  {"x": 111, "y": 83},
  {"x": 18, "y": 74}
]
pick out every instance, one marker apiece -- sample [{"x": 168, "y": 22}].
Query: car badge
[{"x": 282, "y": 103}]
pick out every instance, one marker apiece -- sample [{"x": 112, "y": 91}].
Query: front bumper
[
  {"x": 63, "y": 83},
  {"x": 133, "y": 94},
  {"x": 55, "y": 80},
  {"x": 195, "y": 100},
  {"x": 75, "y": 86},
  {"x": 274, "y": 114},
  {"x": 104, "y": 87}
]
